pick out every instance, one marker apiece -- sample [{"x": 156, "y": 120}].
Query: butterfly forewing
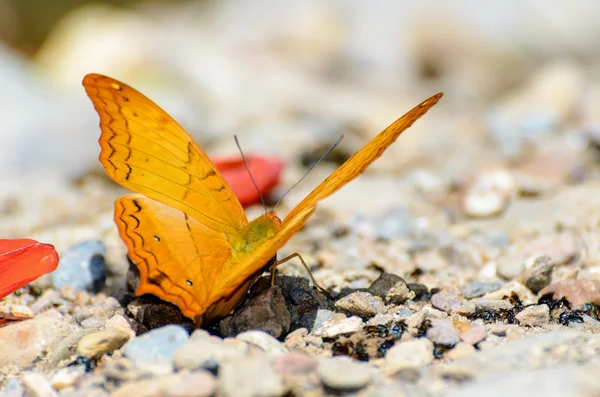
[
  {"x": 356, "y": 164},
  {"x": 146, "y": 150}
]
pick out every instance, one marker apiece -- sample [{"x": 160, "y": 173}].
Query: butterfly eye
[
  {"x": 189, "y": 282},
  {"x": 157, "y": 239}
]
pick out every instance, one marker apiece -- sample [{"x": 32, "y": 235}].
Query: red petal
[
  {"x": 266, "y": 171},
  {"x": 22, "y": 261}
]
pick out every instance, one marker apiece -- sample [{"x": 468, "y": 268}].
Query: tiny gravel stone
[
  {"x": 410, "y": 354},
  {"x": 37, "y": 385},
  {"x": 23, "y": 342},
  {"x": 461, "y": 349},
  {"x": 195, "y": 384},
  {"x": 512, "y": 288},
  {"x": 67, "y": 377},
  {"x": 490, "y": 193},
  {"x": 534, "y": 316},
  {"x": 338, "y": 327},
  {"x": 156, "y": 347},
  {"x": 510, "y": 267},
  {"x": 443, "y": 332},
  {"x": 97, "y": 344},
  {"x": 539, "y": 274},
  {"x": 323, "y": 316},
  {"x": 578, "y": 292},
  {"x": 250, "y": 377},
  {"x": 473, "y": 335},
  {"x": 493, "y": 305},
  {"x": 415, "y": 321},
  {"x": 381, "y": 319},
  {"x": 294, "y": 363},
  {"x": 361, "y": 304},
  {"x": 478, "y": 288},
  {"x": 392, "y": 288},
  {"x": 204, "y": 351},
  {"x": 82, "y": 267},
  {"x": 266, "y": 312},
  {"x": 66, "y": 348},
  {"x": 271, "y": 346},
  {"x": 446, "y": 301},
  {"x": 343, "y": 373}
]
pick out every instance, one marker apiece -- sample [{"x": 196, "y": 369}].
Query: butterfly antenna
[
  {"x": 309, "y": 170},
  {"x": 262, "y": 200}
]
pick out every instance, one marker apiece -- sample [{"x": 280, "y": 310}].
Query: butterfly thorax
[{"x": 254, "y": 234}]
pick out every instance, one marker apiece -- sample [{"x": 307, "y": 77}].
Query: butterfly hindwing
[{"x": 179, "y": 259}]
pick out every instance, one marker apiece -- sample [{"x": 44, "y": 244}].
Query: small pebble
[
  {"x": 250, "y": 377},
  {"x": 392, "y": 288},
  {"x": 489, "y": 194},
  {"x": 513, "y": 288},
  {"x": 446, "y": 301},
  {"x": 205, "y": 351},
  {"x": 477, "y": 289},
  {"x": 195, "y": 384},
  {"x": 37, "y": 385},
  {"x": 82, "y": 267},
  {"x": 443, "y": 332},
  {"x": 578, "y": 292},
  {"x": 22, "y": 343},
  {"x": 361, "y": 304},
  {"x": 271, "y": 346},
  {"x": 97, "y": 344},
  {"x": 338, "y": 327},
  {"x": 410, "y": 354},
  {"x": 534, "y": 316},
  {"x": 344, "y": 374},
  {"x": 294, "y": 363},
  {"x": 461, "y": 349},
  {"x": 157, "y": 347},
  {"x": 539, "y": 274},
  {"x": 493, "y": 305},
  {"x": 67, "y": 376},
  {"x": 267, "y": 312}
]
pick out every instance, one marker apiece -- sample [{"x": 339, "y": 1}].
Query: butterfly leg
[{"x": 297, "y": 255}]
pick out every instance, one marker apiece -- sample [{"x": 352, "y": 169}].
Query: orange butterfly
[{"x": 187, "y": 232}]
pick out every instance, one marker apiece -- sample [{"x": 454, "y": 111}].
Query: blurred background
[{"x": 520, "y": 78}]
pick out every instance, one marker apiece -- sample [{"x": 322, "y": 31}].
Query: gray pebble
[
  {"x": 534, "y": 316},
  {"x": 392, "y": 288},
  {"x": 446, "y": 301},
  {"x": 344, "y": 374},
  {"x": 361, "y": 304},
  {"x": 443, "y": 332},
  {"x": 267, "y": 312},
  {"x": 37, "y": 385},
  {"x": 539, "y": 275},
  {"x": 339, "y": 327},
  {"x": 410, "y": 354},
  {"x": 208, "y": 352},
  {"x": 157, "y": 346},
  {"x": 82, "y": 267},
  {"x": 493, "y": 305},
  {"x": 250, "y": 377},
  {"x": 271, "y": 346},
  {"x": 477, "y": 289},
  {"x": 510, "y": 267}
]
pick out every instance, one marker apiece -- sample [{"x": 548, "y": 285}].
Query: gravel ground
[{"x": 464, "y": 262}]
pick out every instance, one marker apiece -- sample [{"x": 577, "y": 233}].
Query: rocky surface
[{"x": 464, "y": 262}]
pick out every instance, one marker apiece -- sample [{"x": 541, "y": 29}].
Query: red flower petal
[
  {"x": 22, "y": 261},
  {"x": 265, "y": 170}
]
